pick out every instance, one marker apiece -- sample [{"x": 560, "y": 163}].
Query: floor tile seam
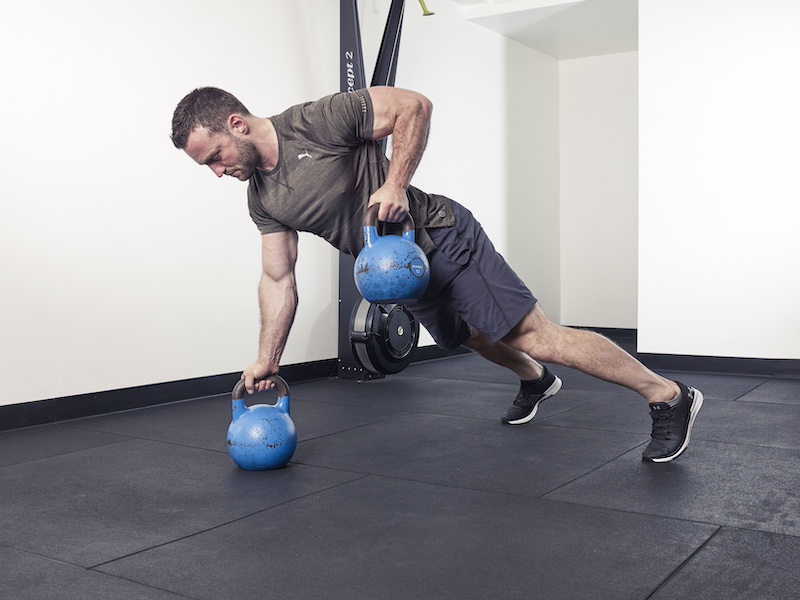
[
  {"x": 97, "y": 567},
  {"x": 764, "y": 531},
  {"x": 407, "y": 412},
  {"x": 77, "y": 420},
  {"x": 142, "y": 583},
  {"x": 58, "y": 454},
  {"x": 458, "y": 488},
  {"x": 733, "y": 374},
  {"x": 685, "y": 562},
  {"x": 669, "y": 517},
  {"x": 647, "y": 514},
  {"x": 700, "y": 438},
  {"x": 762, "y": 402},
  {"x": 590, "y": 471},
  {"x": 543, "y": 423},
  {"x": 696, "y": 437},
  {"x": 751, "y": 390},
  {"x": 153, "y": 439},
  {"x": 322, "y": 436},
  {"x": 42, "y": 556},
  {"x": 67, "y": 564},
  {"x": 514, "y": 384}
]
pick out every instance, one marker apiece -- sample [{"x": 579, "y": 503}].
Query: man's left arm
[{"x": 406, "y": 115}]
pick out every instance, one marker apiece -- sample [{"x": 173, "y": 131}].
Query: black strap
[{"x": 386, "y": 65}]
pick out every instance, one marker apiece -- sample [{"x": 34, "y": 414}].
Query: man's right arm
[{"x": 277, "y": 298}]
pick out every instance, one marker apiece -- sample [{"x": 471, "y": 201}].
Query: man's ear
[{"x": 238, "y": 124}]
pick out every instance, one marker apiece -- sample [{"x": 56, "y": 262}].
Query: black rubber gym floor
[{"x": 409, "y": 487}]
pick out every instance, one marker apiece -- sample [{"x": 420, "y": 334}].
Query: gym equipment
[
  {"x": 374, "y": 339},
  {"x": 383, "y": 336},
  {"x": 390, "y": 268},
  {"x": 261, "y": 437}
]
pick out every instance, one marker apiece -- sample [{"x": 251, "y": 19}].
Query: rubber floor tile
[
  {"x": 468, "y": 453},
  {"x": 27, "y": 577},
  {"x": 95, "y": 505},
  {"x": 739, "y": 564},
  {"x": 743, "y": 486},
  {"x": 34, "y": 443},
  {"x": 390, "y": 539},
  {"x": 775, "y": 391},
  {"x": 204, "y": 423}
]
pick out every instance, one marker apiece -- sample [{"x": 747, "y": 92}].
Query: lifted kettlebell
[
  {"x": 261, "y": 437},
  {"x": 390, "y": 268}
]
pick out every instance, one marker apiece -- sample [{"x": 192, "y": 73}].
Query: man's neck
[{"x": 267, "y": 143}]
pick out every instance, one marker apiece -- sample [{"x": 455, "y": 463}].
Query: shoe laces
[
  {"x": 662, "y": 424},
  {"x": 523, "y": 397}
]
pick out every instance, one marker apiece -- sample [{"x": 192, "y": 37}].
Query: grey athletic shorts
[{"x": 471, "y": 286}]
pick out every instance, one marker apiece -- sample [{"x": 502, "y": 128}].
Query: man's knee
[
  {"x": 476, "y": 341},
  {"x": 535, "y": 334}
]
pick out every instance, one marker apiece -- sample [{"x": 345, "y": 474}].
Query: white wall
[
  {"x": 720, "y": 196},
  {"x": 531, "y": 170},
  {"x": 599, "y": 190},
  {"x": 122, "y": 263}
]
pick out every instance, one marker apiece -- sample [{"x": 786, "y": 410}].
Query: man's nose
[{"x": 218, "y": 169}]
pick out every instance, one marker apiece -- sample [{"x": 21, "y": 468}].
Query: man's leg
[
  {"x": 537, "y": 383},
  {"x": 504, "y": 355},
  {"x": 589, "y": 352},
  {"x": 673, "y": 406}
]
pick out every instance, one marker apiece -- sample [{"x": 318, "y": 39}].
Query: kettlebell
[
  {"x": 261, "y": 437},
  {"x": 390, "y": 268}
]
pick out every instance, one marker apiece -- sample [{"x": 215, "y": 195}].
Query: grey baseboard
[{"x": 57, "y": 410}]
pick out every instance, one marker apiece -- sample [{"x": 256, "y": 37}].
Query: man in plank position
[{"x": 316, "y": 167}]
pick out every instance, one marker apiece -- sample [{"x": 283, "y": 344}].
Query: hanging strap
[{"x": 386, "y": 65}]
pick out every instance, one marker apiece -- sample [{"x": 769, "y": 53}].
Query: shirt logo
[{"x": 304, "y": 155}]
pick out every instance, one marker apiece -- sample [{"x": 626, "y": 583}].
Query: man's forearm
[
  {"x": 278, "y": 303},
  {"x": 409, "y": 123}
]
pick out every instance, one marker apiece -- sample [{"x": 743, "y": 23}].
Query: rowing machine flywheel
[{"x": 383, "y": 336}]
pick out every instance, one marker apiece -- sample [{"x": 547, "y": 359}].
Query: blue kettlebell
[
  {"x": 261, "y": 437},
  {"x": 390, "y": 268}
]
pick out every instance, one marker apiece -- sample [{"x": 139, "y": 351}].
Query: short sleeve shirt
[{"x": 327, "y": 169}]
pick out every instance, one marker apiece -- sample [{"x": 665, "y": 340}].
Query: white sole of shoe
[
  {"x": 697, "y": 404},
  {"x": 548, "y": 393}
]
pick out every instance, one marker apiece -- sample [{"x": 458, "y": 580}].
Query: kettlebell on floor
[{"x": 263, "y": 436}]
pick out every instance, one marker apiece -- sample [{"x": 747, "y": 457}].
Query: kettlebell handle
[
  {"x": 283, "y": 387},
  {"x": 371, "y": 218}
]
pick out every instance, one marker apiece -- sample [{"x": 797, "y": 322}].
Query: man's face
[{"x": 223, "y": 154}]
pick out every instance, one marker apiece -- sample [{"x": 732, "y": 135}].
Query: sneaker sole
[
  {"x": 548, "y": 393},
  {"x": 697, "y": 404}
]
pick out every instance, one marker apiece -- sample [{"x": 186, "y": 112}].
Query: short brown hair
[{"x": 207, "y": 107}]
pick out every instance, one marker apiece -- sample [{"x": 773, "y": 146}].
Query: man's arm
[
  {"x": 277, "y": 298},
  {"x": 406, "y": 116}
]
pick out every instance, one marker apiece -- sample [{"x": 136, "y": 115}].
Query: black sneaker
[
  {"x": 672, "y": 427},
  {"x": 528, "y": 400}
]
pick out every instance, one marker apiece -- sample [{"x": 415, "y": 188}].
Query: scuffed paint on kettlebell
[
  {"x": 261, "y": 437},
  {"x": 390, "y": 268}
]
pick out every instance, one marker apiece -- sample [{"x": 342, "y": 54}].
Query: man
[{"x": 316, "y": 166}]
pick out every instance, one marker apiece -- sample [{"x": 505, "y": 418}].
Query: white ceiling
[{"x": 563, "y": 29}]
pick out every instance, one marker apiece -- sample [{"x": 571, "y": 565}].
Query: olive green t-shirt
[{"x": 327, "y": 169}]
